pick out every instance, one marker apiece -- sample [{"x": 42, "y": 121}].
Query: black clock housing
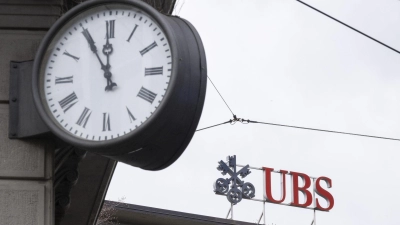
[{"x": 160, "y": 141}]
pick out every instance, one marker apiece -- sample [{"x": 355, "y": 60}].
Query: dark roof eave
[{"x": 134, "y": 214}]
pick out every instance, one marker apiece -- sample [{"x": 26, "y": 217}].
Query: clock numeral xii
[{"x": 110, "y": 28}]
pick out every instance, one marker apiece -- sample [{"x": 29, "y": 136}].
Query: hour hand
[
  {"x": 107, "y": 48},
  {"x": 110, "y": 85}
]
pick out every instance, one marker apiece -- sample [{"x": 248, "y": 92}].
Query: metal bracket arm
[{"x": 24, "y": 120}]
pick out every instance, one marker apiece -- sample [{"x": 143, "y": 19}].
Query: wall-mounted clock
[{"x": 118, "y": 78}]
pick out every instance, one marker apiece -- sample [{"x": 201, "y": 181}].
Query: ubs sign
[
  {"x": 311, "y": 187},
  {"x": 297, "y": 189}
]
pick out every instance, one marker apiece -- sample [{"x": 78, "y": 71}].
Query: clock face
[{"x": 105, "y": 72}]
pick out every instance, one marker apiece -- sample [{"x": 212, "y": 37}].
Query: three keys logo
[{"x": 238, "y": 189}]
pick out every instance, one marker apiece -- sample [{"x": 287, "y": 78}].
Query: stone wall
[{"x": 26, "y": 166}]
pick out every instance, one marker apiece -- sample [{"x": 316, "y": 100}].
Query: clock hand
[
  {"x": 105, "y": 68},
  {"x": 107, "y": 50},
  {"x": 90, "y": 40}
]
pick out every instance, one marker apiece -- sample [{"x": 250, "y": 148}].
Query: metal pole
[
  {"x": 263, "y": 179},
  {"x": 227, "y": 215},
  {"x": 262, "y": 214},
  {"x": 264, "y": 211},
  {"x": 231, "y": 211},
  {"x": 315, "y": 222},
  {"x": 315, "y": 218}
]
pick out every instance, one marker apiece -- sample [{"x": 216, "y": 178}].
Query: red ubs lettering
[{"x": 296, "y": 190}]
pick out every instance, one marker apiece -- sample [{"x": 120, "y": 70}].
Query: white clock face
[{"x": 106, "y": 72}]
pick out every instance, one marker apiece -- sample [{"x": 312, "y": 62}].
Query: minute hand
[{"x": 89, "y": 39}]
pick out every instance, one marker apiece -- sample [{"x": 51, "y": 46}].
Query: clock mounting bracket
[{"x": 24, "y": 120}]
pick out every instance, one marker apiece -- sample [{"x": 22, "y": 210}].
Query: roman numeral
[
  {"x": 148, "y": 48},
  {"x": 130, "y": 36},
  {"x": 72, "y": 56},
  {"x": 131, "y": 117},
  {"x": 147, "y": 95},
  {"x": 153, "y": 71},
  {"x": 106, "y": 122},
  {"x": 110, "y": 28},
  {"x": 83, "y": 119},
  {"x": 63, "y": 80},
  {"x": 68, "y": 102}
]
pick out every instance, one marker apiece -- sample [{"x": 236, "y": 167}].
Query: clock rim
[{"x": 103, "y": 145}]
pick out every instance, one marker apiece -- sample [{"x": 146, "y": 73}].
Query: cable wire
[
  {"x": 244, "y": 121},
  {"x": 321, "y": 130},
  {"x": 235, "y": 119},
  {"x": 387, "y": 46},
  {"x": 220, "y": 95},
  {"x": 213, "y": 126}
]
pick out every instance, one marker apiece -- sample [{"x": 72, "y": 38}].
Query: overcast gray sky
[{"x": 278, "y": 61}]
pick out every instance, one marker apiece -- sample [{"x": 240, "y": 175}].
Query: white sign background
[{"x": 279, "y": 61}]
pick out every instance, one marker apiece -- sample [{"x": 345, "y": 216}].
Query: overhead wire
[
  {"x": 235, "y": 119},
  {"x": 213, "y": 126},
  {"x": 321, "y": 130},
  {"x": 229, "y": 121},
  {"x": 244, "y": 121},
  {"x": 220, "y": 95},
  {"x": 354, "y": 29}
]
